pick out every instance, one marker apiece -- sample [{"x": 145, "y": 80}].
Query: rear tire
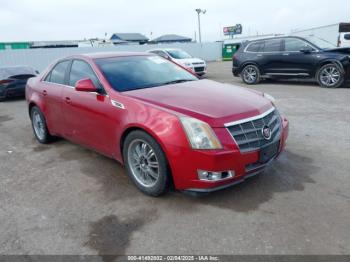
[
  {"x": 40, "y": 129},
  {"x": 251, "y": 75},
  {"x": 330, "y": 76},
  {"x": 146, "y": 163}
]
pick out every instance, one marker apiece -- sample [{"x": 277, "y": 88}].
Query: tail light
[{"x": 6, "y": 81}]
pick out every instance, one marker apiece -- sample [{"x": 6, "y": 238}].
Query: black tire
[
  {"x": 251, "y": 75},
  {"x": 161, "y": 184},
  {"x": 330, "y": 76},
  {"x": 45, "y": 137}
]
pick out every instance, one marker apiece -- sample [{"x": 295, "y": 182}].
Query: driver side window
[
  {"x": 82, "y": 70},
  {"x": 295, "y": 45}
]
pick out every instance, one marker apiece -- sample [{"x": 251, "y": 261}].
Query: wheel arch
[
  {"x": 30, "y": 106},
  {"x": 148, "y": 131},
  {"x": 250, "y": 62},
  {"x": 136, "y": 127},
  {"x": 329, "y": 61}
]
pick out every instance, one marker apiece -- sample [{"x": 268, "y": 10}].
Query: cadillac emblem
[{"x": 266, "y": 132}]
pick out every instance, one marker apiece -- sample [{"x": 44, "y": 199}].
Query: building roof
[
  {"x": 68, "y": 43},
  {"x": 171, "y": 38},
  {"x": 129, "y": 37}
]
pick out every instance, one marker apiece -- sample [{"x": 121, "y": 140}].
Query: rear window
[
  {"x": 273, "y": 45},
  {"x": 58, "y": 73},
  {"x": 255, "y": 47}
]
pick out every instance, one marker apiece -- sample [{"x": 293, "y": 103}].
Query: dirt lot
[{"x": 64, "y": 199}]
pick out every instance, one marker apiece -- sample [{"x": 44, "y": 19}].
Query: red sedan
[{"x": 159, "y": 120}]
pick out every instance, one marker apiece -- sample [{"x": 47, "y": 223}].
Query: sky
[{"x": 34, "y": 20}]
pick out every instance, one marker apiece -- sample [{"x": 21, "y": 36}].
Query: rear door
[
  {"x": 86, "y": 113},
  {"x": 51, "y": 93},
  {"x": 295, "y": 62},
  {"x": 270, "y": 56}
]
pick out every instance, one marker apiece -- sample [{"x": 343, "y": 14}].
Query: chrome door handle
[{"x": 286, "y": 54}]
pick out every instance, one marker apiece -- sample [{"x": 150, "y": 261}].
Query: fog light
[{"x": 215, "y": 176}]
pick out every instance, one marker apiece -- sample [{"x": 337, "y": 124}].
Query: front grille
[
  {"x": 199, "y": 69},
  {"x": 248, "y": 135}
]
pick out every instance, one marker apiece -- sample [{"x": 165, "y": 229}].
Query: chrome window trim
[
  {"x": 241, "y": 121},
  {"x": 278, "y": 52},
  {"x": 72, "y": 87}
]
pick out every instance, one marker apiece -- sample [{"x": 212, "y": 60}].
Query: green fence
[{"x": 14, "y": 45}]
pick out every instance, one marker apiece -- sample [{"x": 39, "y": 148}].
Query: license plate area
[{"x": 268, "y": 152}]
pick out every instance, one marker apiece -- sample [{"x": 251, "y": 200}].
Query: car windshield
[
  {"x": 319, "y": 42},
  {"x": 137, "y": 72},
  {"x": 178, "y": 54}
]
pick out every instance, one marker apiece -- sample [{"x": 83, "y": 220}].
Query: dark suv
[{"x": 292, "y": 57}]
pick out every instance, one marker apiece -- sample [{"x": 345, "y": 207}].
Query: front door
[
  {"x": 86, "y": 113},
  {"x": 299, "y": 58}
]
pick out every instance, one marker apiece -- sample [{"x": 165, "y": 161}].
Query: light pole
[{"x": 199, "y": 11}]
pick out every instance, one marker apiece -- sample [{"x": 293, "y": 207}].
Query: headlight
[
  {"x": 270, "y": 97},
  {"x": 200, "y": 134}
]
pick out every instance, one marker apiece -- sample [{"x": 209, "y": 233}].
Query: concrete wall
[{"x": 41, "y": 58}]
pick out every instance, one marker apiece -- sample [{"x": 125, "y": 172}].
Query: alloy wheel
[
  {"x": 250, "y": 74},
  {"x": 330, "y": 76},
  {"x": 39, "y": 125},
  {"x": 143, "y": 163}
]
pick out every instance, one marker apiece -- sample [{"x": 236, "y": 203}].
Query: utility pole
[{"x": 200, "y": 11}]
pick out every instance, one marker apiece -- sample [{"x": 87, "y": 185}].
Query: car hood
[
  {"x": 189, "y": 60},
  {"x": 343, "y": 50},
  {"x": 209, "y": 101}
]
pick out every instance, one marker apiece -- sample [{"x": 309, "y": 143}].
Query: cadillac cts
[{"x": 163, "y": 123}]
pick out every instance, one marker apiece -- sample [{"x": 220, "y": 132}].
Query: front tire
[
  {"x": 250, "y": 75},
  {"x": 330, "y": 76},
  {"x": 40, "y": 129},
  {"x": 146, "y": 163}
]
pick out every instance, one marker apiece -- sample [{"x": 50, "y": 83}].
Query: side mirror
[
  {"x": 306, "y": 50},
  {"x": 85, "y": 85}
]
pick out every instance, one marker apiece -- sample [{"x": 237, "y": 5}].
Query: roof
[
  {"x": 171, "y": 37},
  {"x": 6, "y": 72},
  {"x": 111, "y": 54},
  {"x": 129, "y": 37}
]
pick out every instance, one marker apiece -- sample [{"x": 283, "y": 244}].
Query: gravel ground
[{"x": 64, "y": 199}]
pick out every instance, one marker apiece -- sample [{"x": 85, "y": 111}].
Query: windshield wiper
[{"x": 177, "y": 81}]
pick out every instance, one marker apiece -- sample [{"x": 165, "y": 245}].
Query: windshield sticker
[{"x": 157, "y": 59}]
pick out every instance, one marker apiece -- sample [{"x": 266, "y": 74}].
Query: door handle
[
  {"x": 68, "y": 101},
  {"x": 286, "y": 54},
  {"x": 259, "y": 55},
  {"x": 44, "y": 93}
]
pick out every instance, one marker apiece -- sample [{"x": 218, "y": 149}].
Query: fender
[
  {"x": 328, "y": 61},
  {"x": 251, "y": 63}
]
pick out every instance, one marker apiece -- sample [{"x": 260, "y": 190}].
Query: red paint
[{"x": 90, "y": 119}]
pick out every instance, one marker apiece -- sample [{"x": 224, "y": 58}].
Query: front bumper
[{"x": 185, "y": 165}]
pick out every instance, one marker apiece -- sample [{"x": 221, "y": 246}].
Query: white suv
[{"x": 179, "y": 56}]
